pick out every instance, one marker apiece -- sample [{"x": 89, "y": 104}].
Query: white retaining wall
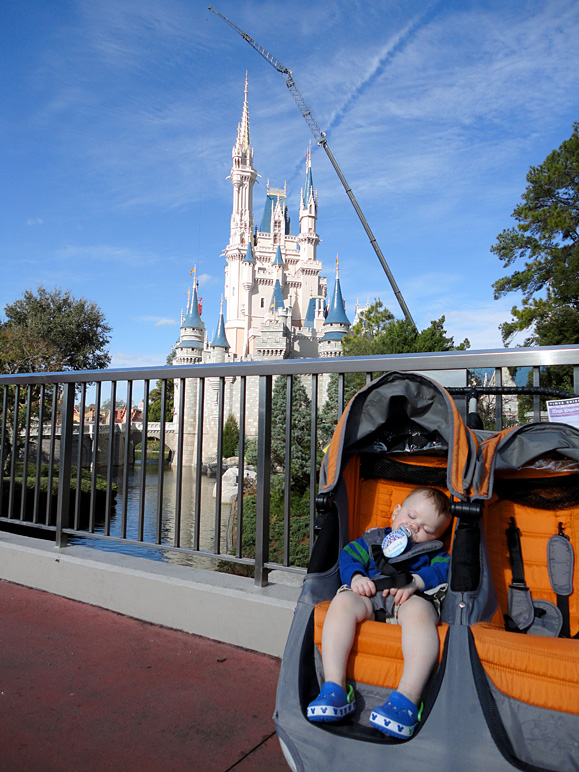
[{"x": 220, "y": 606}]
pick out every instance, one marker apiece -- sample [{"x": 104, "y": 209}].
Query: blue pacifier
[{"x": 396, "y": 542}]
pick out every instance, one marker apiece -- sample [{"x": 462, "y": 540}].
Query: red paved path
[{"x": 88, "y": 690}]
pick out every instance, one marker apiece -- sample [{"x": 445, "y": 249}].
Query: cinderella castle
[{"x": 277, "y": 304}]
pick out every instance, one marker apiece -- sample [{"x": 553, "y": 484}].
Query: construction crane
[{"x": 322, "y": 141}]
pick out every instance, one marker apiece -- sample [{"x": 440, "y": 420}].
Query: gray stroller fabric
[
  {"x": 560, "y": 560},
  {"x": 469, "y": 724}
]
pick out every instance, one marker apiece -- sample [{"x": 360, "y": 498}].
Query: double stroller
[{"x": 505, "y": 693}]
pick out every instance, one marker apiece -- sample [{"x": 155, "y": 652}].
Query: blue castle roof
[
  {"x": 310, "y": 313},
  {"x": 337, "y": 314},
  {"x": 190, "y": 344},
  {"x": 334, "y": 335},
  {"x": 278, "y": 258},
  {"x": 309, "y": 185},
  {"x": 220, "y": 339},
  {"x": 193, "y": 318},
  {"x": 277, "y": 297},
  {"x": 249, "y": 255},
  {"x": 267, "y": 218}
]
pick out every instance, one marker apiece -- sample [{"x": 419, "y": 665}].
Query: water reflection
[{"x": 167, "y": 526}]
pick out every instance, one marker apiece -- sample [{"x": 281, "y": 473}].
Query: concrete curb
[{"x": 220, "y": 606}]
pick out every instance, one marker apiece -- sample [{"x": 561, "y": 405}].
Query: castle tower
[
  {"x": 189, "y": 347},
  {"x": 309, "y": 268},
  {"x": 189, "y": 351},
  {"x": 243, "y": 177},
  {"x": 219, "y": 343},
  {"x": 308, "y": 238},
  {"x": 337, "y": 324},
  {"x": 269, "y": 261}
]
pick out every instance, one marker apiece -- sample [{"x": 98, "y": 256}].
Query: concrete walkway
[{"x": 86, "y": 689}]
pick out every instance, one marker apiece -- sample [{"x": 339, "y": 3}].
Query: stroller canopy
[{"x": 403, "y": 413}]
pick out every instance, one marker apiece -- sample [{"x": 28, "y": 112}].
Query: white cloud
[
  {"x": 35, "y": 222},
  {"x": 122, "y": 359},
  {"x": 479, "y": 322},
  {"x": 108, "y": 253},
  {"x": 158, "y": 321},
  {"x": 205, "y": 278}
]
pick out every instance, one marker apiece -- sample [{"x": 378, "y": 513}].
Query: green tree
[
  {"x": 155, "y": 395},
  {"x": 300, "y": 430},
  {"x": 378, "y": 332},
  {"x": 22, "y": 351},
  {"x": 230, "y": 437},
  {"x": 52, "y": 330},
  {"x": 546, "y": 238},
  {"x": 107, "y": 404}
]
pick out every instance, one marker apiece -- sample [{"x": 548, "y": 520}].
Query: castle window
[{"x": 262, "y": 303}]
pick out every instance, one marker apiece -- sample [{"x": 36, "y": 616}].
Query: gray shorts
[{"x": 385, "y": 610}]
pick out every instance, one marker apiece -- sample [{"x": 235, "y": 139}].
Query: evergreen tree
[
  {"x": 155, "y": 394},
  {"x": 230, "y": 437},
  {"x": 155, "y": 397},
  {"x": 378, "y": 332},
  {"x": 300, "y": 430},
  {"x": 546, "y": 238}
]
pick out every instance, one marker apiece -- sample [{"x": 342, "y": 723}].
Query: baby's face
[{"x": 419, "y": 515}]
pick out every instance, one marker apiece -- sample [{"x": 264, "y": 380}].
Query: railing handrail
[
  {"x": 202, "y": 394},
  {"x": 537, "y": 356}
]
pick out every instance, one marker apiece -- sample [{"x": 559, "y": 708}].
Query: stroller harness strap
[
  {"x": 394, "y": 571},
  {"x": 525, "y": 615},
  {"x": 391, "y": 576},
  {"x": 560, "y": 560}
]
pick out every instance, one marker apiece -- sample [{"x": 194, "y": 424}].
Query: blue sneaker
[
  {"x": 398, "y": 716},
  {"x": 332, "y": 704}
]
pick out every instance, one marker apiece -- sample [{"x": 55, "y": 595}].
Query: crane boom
[{"x": 322, "y": 141}]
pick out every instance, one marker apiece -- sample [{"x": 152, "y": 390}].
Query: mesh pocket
[{"x": 374, "y": 466}]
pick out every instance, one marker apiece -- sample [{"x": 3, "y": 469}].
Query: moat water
[{"x": 187, "y": 529}]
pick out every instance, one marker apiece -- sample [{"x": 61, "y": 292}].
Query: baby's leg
[
  {"x": 346, "y": 610},
  {"x": 418, "y": 620}
]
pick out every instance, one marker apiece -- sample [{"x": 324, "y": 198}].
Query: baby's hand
[
  {"x": 401, "y": 594},
  {"x": 361, "y": 585}
]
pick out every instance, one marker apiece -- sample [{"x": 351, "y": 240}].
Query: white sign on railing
[{"x": 564, "y": 411}]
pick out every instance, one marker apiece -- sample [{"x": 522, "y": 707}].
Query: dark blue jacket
[{"x": 356, "y": 558}]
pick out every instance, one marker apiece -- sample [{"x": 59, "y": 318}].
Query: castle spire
[
  {"x": 337, "y": 313},
  {"x": 220, "y": 339},
  {"x": 193, "y": 317},
  {"x": 309, "y": 183},
  {"x": 243, "y": 128}
]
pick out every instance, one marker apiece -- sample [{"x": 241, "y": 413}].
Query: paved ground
[{"x": 83, "y": 689}]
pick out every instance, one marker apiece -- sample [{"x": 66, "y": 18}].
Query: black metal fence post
[
  {"x": 263, "y": 481},
  {"x": 63, "y": 501}
]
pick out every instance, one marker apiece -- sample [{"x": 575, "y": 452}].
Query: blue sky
[{"x": 118, "y": 118}]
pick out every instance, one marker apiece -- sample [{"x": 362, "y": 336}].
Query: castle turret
[
  {"x": 337, "y": 324},
  {"x": 278, "y": 267},
  {"x": 219, "y": 343},
  {"x": 308, "y": 238},
  {"x": 189, "y": 348},
  {"x": 276, "y": 303}
]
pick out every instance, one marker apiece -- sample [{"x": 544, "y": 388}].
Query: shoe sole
[
  {"x": 390, "y": 726},
  {"x": 328, "y": 713}
]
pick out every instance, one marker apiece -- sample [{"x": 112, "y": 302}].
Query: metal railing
[{"x": 68, "y": 477}]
